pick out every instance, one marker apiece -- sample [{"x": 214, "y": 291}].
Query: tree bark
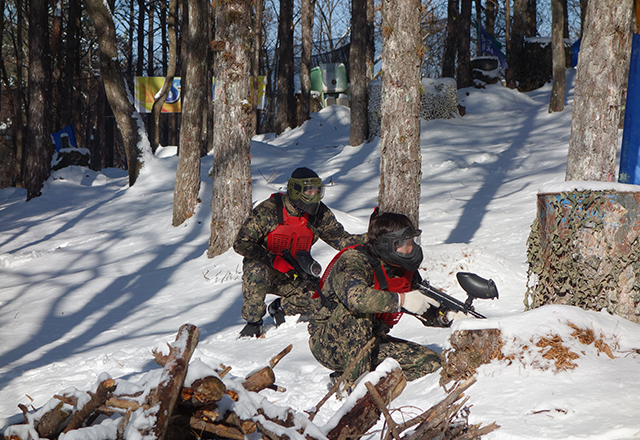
[
  {"x": 464, "y": 45},
  {"x": 451, "y": 42},
  {"x": 154, "y": 121},
  {"x": 556, "y": 102},
  {"x": 516, "y": 42},
  {"x": 231, "y": 188},
  {"x": 401, "y": 160},
  {"x": 255, "y": 65},
  {"x": 600, "y": 79},
  {"x": 285, "y": 106},
  {"x": 359, "y": 131},
  {"x": 172, "y": 377},
  {"x": 39, "y": 149},
  {"x": 194, "y": 105},
  {"x": 306, "y": 19},
  {"x": 129, "y": 122}
]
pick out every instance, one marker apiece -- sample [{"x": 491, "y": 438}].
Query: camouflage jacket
[
  {"x": 351, "y": 296},
  {"x": 251, "y": 241}
]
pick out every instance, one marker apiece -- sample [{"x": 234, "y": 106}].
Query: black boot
[
  {"x": 276, "y": 312},
  {"x": 252, "y": 329}
]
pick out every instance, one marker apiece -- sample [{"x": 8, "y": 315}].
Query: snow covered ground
[{"x": 93, "y": 275}]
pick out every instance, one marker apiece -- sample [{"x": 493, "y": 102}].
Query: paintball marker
[
  {"x": 474, "y": 285},
  {"x": 304, "y": 266}
]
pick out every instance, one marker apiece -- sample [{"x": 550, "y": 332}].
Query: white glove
[
  {"x": 455, "y": 316},
  {"x": 416, "y": 302}
]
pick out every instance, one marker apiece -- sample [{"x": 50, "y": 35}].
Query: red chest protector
[
  {"x": 292, "y": 233},
  {"x": 398, "y": 285}
]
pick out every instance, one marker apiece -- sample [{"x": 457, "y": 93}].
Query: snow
[{"x": 94, "y": 277}]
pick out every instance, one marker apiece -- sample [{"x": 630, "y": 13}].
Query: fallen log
[
  {"x": 365, "y": 413},
  {"x": 209, "y": 389},
  {"x": 172, "y": 378},
  {"x": 103, "y": 392}
]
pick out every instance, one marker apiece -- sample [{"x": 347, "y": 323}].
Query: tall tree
[
  {"x": 400, "y": 164},
  {"x": 451, "y": 41},
  {"x": 231, "y": 188},
  {"x": 194, "y": 105},
  {"x": 285, "y": 110},
  {"x": 161, "y": 97},
  {"x": 255, "y": 63},
  {"x": 464, "y": 46},
  {"x": 134, "y": 136},
  {"x": 556, "y": 102},
  {"x": 600, "y": 78},
  {"x": 306, "y": 21},
  {"x": 39, "y": 149},
  {"x": 358, "y": 72},
  {"x": 516, "y": 42}
]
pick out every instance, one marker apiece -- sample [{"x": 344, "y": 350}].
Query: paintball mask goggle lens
[
  {"x": 310, "y": 190},
  {"x": 405, "y": 245}
]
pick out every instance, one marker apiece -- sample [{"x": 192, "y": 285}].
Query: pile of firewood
[{"x": 220, "y": 406}]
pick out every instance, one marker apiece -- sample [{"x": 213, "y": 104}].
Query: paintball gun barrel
[
  {"x": 305, "y": 266},
  {"x": 474, "y": 285}
]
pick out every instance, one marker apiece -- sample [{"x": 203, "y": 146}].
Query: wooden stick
[
  {"x": 393, "y": 426},
  {"x": 274, "y": 361},
  {"x": 312, "y": 413},
  {"x": 218, "y": 430}
]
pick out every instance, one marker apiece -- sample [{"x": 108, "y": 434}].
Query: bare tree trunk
[
  {"x": 516, "y": 42},
  {"x": 72, "y": 89},
  {"x": 18, "y": 100},
  {"x": 602, "y": 73},
  {"x": 285, "y": 106},
  {"x": 556, "y": 103},
  {"x": 531, "y": 22},
  {"x": 194, "y": 105},
  {"x": 150, "y": 43},
  {"x": 154, "y": 121},
  {"x": 140, "y": 65},
  {"x": 400, "y": 165},
  {"x": 464, "y": 45},
  {"x": 306, "y": 19},
  {"x": 371, "y": 43},
  {"x": 358, "y": 73},
  {"x": 39, "y": 148},
  {"x": 451, "y": 42},
  {"x": 129, "y": 122},
  {"x": 231, "y": 189},
  {"x": 255, "y": 65},
  {"x": 490, "y": 17}
]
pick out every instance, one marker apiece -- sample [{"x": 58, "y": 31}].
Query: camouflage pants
[
  {"x": 335, "y": 349},
  {"x": 259, "y": 278}
]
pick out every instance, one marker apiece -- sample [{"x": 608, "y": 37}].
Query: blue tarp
[
  {"x": 629, "y": 167},
  {"x": 65, "y": 132}
]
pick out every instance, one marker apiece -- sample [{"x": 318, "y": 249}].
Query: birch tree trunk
[
  {"x": 358, "y": 73},
  {"x": 38, "y": 149},
  {"x": 231, "y": 190},
  {"x": 400, "y": 164},
  {"x": 600, "y": 82},
  {"x": 130, "y": 124},
  {"x": 194, "y": 105},
  {"x": 556, "y": 102}
]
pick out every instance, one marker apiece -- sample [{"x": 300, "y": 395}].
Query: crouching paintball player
[
  {"x": 288, "y": 223},
  {"x": 364, "y": 290}
]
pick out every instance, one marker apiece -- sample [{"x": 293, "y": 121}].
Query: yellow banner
[{"x": 146, "y": 88}]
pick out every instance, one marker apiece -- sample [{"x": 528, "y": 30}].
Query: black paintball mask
[{"x": 401, "y": 248}]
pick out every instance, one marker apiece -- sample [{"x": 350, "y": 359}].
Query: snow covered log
[
  {"x": 173, "y": 375},
  {"x": 103, "y": 392},
  {"x": 365, "y": 412}
]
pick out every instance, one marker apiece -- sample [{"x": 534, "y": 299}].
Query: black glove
[{"x": 252, "y": 329}]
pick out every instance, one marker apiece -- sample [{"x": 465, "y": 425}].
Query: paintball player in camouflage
[
  {"x": 292, "y": 221},
  {"x": 365, "y": 288}
]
